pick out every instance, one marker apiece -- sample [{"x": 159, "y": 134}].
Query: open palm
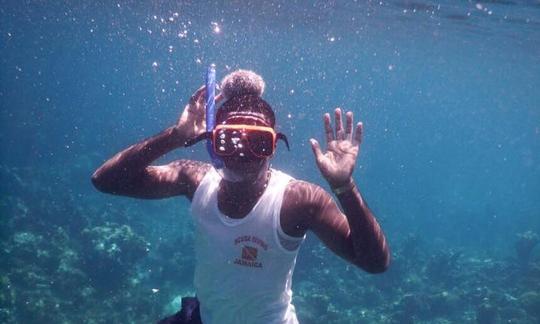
[
  {"x": 192, "y": 121},
  {"x": 342, "y": 148}
]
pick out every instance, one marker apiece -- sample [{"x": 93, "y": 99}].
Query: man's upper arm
[
  {"x": 181, "y": 177},
  {"x": 177, "y": 178},
  {"x": 319, "y": 213}
]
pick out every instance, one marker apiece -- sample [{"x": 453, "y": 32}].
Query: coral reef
[
  {"x": 525, "y": 245},
  {"x": 530, "y": 301},
  {"x": 69, "y": 257},
  {"x": 111, "y": 252},
  {"x": 63, "y": 262}
]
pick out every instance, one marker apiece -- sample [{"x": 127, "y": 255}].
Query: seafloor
[{"x": 74, "y": 257}]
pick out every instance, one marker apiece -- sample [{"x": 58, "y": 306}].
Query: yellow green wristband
[{"x": 344, "y": 188}]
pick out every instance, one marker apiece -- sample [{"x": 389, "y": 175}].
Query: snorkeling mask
[{"x": 227, "y": 140}]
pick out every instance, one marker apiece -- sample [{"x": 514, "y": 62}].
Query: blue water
[{"x": 447, "y": 91}]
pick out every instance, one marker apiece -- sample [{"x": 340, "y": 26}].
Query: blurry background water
[{"x": 447, "y": 90}]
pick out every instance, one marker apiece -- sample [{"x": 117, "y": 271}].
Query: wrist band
[{"x": 344, "y": 188}]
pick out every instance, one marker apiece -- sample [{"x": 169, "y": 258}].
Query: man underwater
[{"x": 250, "y": 219}]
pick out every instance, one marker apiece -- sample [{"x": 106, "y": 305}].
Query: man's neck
[{"x": 246, "y": 189}]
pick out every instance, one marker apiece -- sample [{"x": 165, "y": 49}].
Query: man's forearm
[
  {"x": 130, "y": 162},
  {"x": 369, "y": 242}
]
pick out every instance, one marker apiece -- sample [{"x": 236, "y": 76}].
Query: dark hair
[{"x": 246, "y": 103}]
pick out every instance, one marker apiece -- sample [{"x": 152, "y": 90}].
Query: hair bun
[{"x": 242, "y": 82}]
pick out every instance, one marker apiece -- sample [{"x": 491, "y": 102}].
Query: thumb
[
  {"x": 316, "y": 150},
  {"x": 220, "y": 98}
]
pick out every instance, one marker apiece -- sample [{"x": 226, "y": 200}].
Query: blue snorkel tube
[{"x": 211, "y": 113}]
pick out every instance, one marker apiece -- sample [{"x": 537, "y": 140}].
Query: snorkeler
[{"x": 250, "y": 219}]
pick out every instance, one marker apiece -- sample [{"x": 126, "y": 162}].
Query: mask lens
[
  {"x": 226, "y": 141},
  {"x": 261, "y": 143}
]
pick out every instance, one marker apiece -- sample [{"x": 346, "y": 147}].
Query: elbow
[
  {"x": 379, "y": 260},
  {"x": 377, "y": 269},
  {"x": 113, "y": 183},
  {"x": 376, "y": 266},
  {"x": 100, "y": 182}
]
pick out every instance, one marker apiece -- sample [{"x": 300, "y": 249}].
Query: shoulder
[
  {"x": 189, "y": 173},
  {"x": 304, "y": 200},
  {"x": 304, "y": 192},
  {"x": 196, "y": 170},
  {"x": 190, "y": 166},
  {"x": 185, "y": 163}
]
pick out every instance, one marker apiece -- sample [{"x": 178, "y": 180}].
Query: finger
[
  {"x": 316, "y": 150},
  {"x": 201, "y": 96},
  {"x": 358, "y": 134},
  {"x": 348, "y": 127},
  {"x": 200, "y": 101},
  {"x": 328, "y": 128},
  {"x": 339, "y": 125},
  {"x": 220, "y": 98},
  {"x": 196, "y": 96}
]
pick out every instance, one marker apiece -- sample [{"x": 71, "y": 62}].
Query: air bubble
[{"x": 216, "y": 28}]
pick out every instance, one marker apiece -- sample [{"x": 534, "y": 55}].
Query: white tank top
[{"x": 244, "y": 266}]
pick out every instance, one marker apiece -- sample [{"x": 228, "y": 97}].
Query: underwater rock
[
  {"x": 444, "y": 303},
  {"x": 311, "y": 302},
  {"x": 477, "y": 295},
  {"x": 402, "y": 317},
  {"x": 110, "y": 253},
  {"x": 443, "y": 267},
  {"x": 531, "y": 276},
  {"x": 15, "y": 214},
  {"x": 530, "y": 301},
  {"x": 25, "y": 241},
  {"x": 24, "y": 246},
  {"x": 394, "y": 276},
  {"x": 171, "y": 262},
  {"x": 512, "y": 314},
  {"x": 411, "y": 246},
  {"x": 69, "y": 276},
  {"x": 414, "y": 304},
  {"x": 525, "y": 245},
  {"x": 10, "y": 179},
  {"x": 7, "y": 300},
  {"x": 486, "y": 314},
  {"x": 38, "y": 303},
  {"x": 174, "y": 304}
]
